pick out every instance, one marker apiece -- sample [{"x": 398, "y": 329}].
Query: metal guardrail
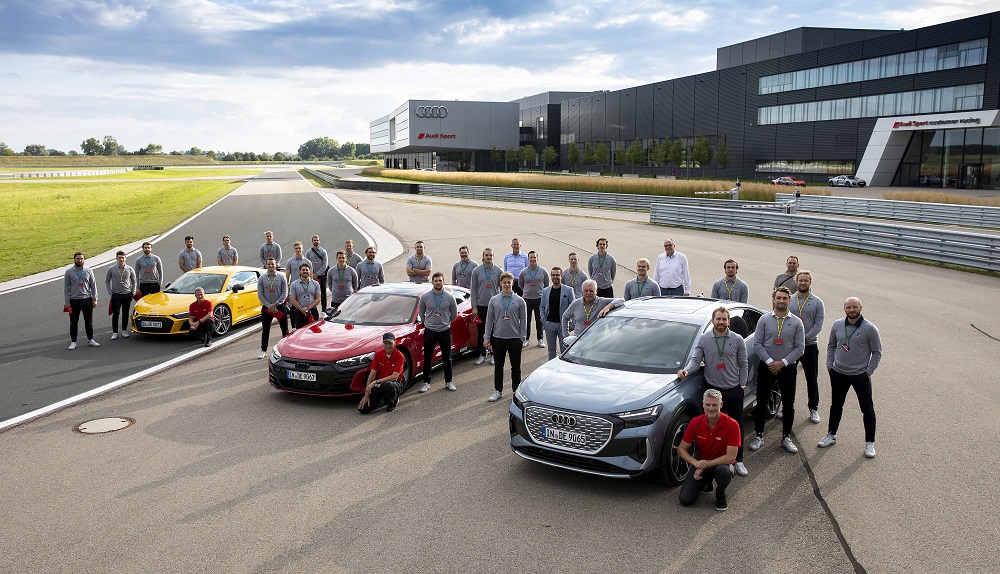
[
  {"x": 595, "y": 199},
  {"x": 975, "y": 250},
  {"x": 31, "y": 174},
  {"x": 946, "y": 213},
  {"x": 364, "y": 185}
]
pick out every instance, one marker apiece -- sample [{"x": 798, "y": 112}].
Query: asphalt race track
[{"x": 221, "y": 473}]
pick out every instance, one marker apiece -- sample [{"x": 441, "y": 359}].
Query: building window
[
  {"x": 959, "y": 55},
  {"x": 834, "y": 167}
]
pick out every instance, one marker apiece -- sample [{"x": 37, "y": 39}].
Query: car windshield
[
  {"x": 210, "y": 282},
  {"x": 634, "y": 344},
  {"x": 376, "y": 309}
]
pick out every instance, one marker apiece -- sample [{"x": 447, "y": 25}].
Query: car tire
[
  {"x": 773, "y": 402},
  {"x": 223, "y": 319},
  {"x": 407, "y": 370},
  {"x": 673, "y": 469}
]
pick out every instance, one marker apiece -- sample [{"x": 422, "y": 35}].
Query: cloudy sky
[{"x": 268, "y": 75}]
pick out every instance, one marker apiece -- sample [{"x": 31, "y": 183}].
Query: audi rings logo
[
  {"x": 564, "y": 420},
  {"x": 431, "y": 112}
]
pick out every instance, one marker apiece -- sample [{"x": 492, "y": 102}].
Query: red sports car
[
  {"x": 325, "y": 357},
  {"x": 787, "y": 181}
]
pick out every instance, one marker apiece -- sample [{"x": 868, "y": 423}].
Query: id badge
[
  {"x": 586, "y": 323},
  {"x": 271, "y": 291},
  {"x": 506, "y": 318},
  {"x": 489, "y": 285},
  {"x": 846, "y": 347},
  {"x": 533, "y": 283},
  {"x": 778, "y": 341},
  {"x": 720, "y": 366},
  {"x": 437, "y": 313}
]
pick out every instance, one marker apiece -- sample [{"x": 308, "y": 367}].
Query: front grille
[
  {"x": 597, "y": 430},
  {"x": 168, "y": 324},
  {"x": 328, "y": 381},
  {"x": 571, "y": 460}
]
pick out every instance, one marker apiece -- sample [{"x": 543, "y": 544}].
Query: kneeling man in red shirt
[
  {"x": 200, "y": 317},
  {"x": 384, "y": 386},
  {"x": 718, "y": 438}
]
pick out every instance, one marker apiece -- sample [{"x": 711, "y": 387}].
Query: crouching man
[
  {"x": 718, "y": 438},
  {"x": 200, "y": 318},
  {"x": 383, "y": 387}
]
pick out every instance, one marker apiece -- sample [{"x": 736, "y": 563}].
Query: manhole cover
[{"x": 98, "y": 426}]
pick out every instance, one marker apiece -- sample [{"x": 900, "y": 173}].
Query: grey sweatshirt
[
  {"x": 424, "y": 263},
  {"x": 532, "y": 281},
  {"x": 120, "y": 280},
  {"x": 812, "y": 314},
  {"x": 228, "y": 257},
  {"x": 634, "y": 290},
  {"x": 319, "y": 258},
  {"x": 793, "y": 340},
  {"x": 190, "y": 258},
  {"x": 272, "y": 289},
  {"x": 343, "y": 283},
  {"x": 485, "y": 284},
  {"x": 149, "y": 269},
  {"x": 270, "y": 250},
  {"x": 294, "y": 264},
  {"x": 579, "y": 316},
  {"x": 437, "y": 311},
  {"x": 369, "y": 274},
  {"x": 79, "y": 283},
  {"x": 515, "y": 325},
  {"x": 354, "y": 258},
  {"x": 726, "y": 290},
  {"x": 462, "y": 276},
  {"x": 575, "y": 280},
  {"x": 602, "y": 270},
  {"x": 304, "y": 294},
  {"x": 734, "y": 357},
  {"x": 863, "y": 353}
]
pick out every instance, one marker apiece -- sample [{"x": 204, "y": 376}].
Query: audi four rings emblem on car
[
  {"x": 431, "y": 112},
  {"x": 564, "y": 420}
]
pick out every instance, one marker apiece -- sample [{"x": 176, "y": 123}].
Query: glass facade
[
  {"x": 814, "y": 166},
  {"x": 968, "y": 158},
  {"x": 950, "y": 99},
  {"x": 946, "y": 57}
]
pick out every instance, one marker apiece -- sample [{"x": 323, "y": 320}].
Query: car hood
[
  {"x": 326, "y": 341},
  {"x": 563, "y": 384}
]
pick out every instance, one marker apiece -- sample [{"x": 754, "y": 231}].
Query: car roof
[{"x": 696, "y": 310}]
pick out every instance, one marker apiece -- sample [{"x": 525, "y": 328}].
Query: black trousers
[
  {"x": 534, "y": 306},
  {"x": 120, "y": 304},
  {"x": 785, "y": 379},
  {"x": 501, "y": 347},
  {"x": 862, "y": 385},
  {"x": 732, "y": 405},
  {"x": 205, "y": 330},
  {"x": 810, "y": 367},
  {"x": 693, "y": 487},
  {"x": 149, "y": 288},
  {"x": 300, "y": 320},
  {"x": 517, "y": 288},
  {"x": 265, "y": 323},
  {"x": 322, "y": 291},
  {"x": 381, "y": 395},
  {"x": 442, "y": 339},
  {"x": 77, "y": 306},
  {"x": 481, "y": 328},
  {"x": 606, "y": 291}
]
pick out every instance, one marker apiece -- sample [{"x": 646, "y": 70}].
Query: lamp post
[{"x": 612, "y": 155}]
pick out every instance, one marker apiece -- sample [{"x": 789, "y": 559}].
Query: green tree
[
  {"x": 36, "y": 150},
  {"x": 601, "y": 155},
  {"x": 676, "y": 153},
  {"x": 549, "y": 155},
  {"x": 635, "y": 155},
  {"x": 496, "y": 155},
  {"x": 322, "y": 147},
  {"x": 151, "y": 149},
  {"x": 722, "y": 152},
  {"x": 5, "y": 150},
  {"x": 265, "y": 157},
  {"x": 509, "y": 156},
  {"x": 526, "y": 154},
  {"x": 279, "y": 156},
  {"x": 573, "y": 155},
  {"x": 588, "y": 154},
  {"x": 91, "y": 146},
  {"x": 110, "y": 146},
  {"x": 55, "y": 152},
  {"x": 702, "y": 152},
  {"x": 195, "y": 150},
  {"x": 347, "y": 150},
  {"x": 211, "y": 154}
]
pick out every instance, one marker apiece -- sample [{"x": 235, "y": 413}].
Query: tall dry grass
[
  {"x": 645, "y": 186},
  {"x": 941, "y": 197}
]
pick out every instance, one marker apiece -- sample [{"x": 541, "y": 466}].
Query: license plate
[
  {"x": 565, "y": 436},
  {"x": 151, "y": 324},
  {"x": 301, "y": 376}
]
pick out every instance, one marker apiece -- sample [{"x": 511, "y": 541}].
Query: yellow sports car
[{"x": 232, "y": 290}]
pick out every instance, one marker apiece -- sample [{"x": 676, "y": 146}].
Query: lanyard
[
  {"x": 417, "y": 260},
  {"x": 729, "y": 292},
  {"x": 270, "y": 280},
  {"x": 464, "y": 265},
  {"x": 80, "y": 274},
  {"x": 572, "y": 278},
  {"x": 439, "y": 298},
  {"x": 640, "y": 287},
  {"x": 533, "y": 272},
  {"x": 586, "y": 310},
  {"x": 506, "y": 303},
  {"x": 340, "y": 273},
  {"x": 847, "y": 340},
  {"x": 121, "y": 275},
  {"x": 781, "y": 324},
  {"x": 802, "y": 305},
  {"x": 149, "y": 262},
  {"x": 305, "y": 288},
  {"x": 600, "y": 262},
  {"x": 721, "y": 347}
]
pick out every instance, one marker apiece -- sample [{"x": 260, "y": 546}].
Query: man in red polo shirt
[
  {"x": 383, "y": 385},
  {"x": 718, "y": 438},
  {"x": 200, "y": 317}
]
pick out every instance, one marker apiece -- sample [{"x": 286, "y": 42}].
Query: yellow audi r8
[{"x": 232, "y": 289}]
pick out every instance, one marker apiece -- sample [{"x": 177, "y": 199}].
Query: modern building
[{"x": 913, "y": 107}]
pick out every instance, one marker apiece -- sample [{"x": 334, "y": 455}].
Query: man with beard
[{"x": 730, "y": 288}]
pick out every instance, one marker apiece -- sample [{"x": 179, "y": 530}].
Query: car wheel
[
  {"x": 407, "y": 370},
  {"x": 673, "y": 469},
  {"x": 774, "y": 401},
  {"x": 223, "y": 319}
]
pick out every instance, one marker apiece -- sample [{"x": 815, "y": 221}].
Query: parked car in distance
[
  {"x": 612, "y": 405},
  {"x": 847, "y": 181},
  {"x": 787, "y": 181},
  {"x": 928, "y": 181}
]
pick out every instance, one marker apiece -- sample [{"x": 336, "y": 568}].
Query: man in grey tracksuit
[
  {"x": 437, "y": 309},
  {"x": 149, "y": 270},
  {"x": 726, "y": 369},
  {"x": 461, "y": 271},
  {"x": 369, "y": 271},
  {"x": 80, "y": 296},
  {"x": 778, "y": 342},
  {"x": 506, "y": 331},
  {"x": 319, "y": 258},
  {"x": 852, "y": 355},
  {"x": 556, "y": 299},
  {"x": 603, "y": 268},
  {"x": 587, "y": 309},
  {"x": 270, "y": 249},
  {"x": 485, "y": 284},
  {"x": 809, "y": 308},
  {"x": 272, "y": 290},
  {"x": 730, "y": 287},
  {"x": 642, "y": 285},
  {"x": 121, "y": 284},
  {"x": 342, "y": 280},
  {"x": 574, "y": 276},
  {"x": 532, "y": 280}
]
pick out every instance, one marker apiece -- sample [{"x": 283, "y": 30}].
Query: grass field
[
  {"x": 52, "y": 220},
  {"x": 186, "y": 172},
  {"x": 78, "y": 161},
  {"x": 941, "y": 197},
  {"x": 314, "y": 180}
]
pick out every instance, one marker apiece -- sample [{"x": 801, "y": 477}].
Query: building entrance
[{"x": 972, "y": 176}]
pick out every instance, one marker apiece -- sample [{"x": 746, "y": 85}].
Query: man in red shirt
[
  {"x": 200, "y": 317},
  {"x": 718, "y": 438},
  {"x": 383, "y": 385}
]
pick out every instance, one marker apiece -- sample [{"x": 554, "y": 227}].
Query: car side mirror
[
  {"x": 569, "y": 340},
  {"x": 238, "y": 288},
  {"x": 165, "y": 285}
]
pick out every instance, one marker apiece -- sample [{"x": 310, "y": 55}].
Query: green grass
[
  {"x": 314, "y": 180},
  {"x": 52, "y": 220},
  {"x": 185, "y": 172},
  {"x": 80, "y": 161}
]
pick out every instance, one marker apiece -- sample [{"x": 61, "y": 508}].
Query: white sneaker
[
  {"x": 93, "y": 343},
  {"x": 526, "y": 343},
  {"x": 541, "y": 343},
  {"x": 114, "y": 336},
  {"x": 492, "y": 361},
  {"x": 828, "y": 440},
  {"x": 481, "y": 359},
  {"x": 494, "y": 397},
  {"x": 780, "y": 414},
  {"x": 813, "y": 416},
  {"x": 757, "y": 442},
  {"x": 741, "y": 469},
  {"x": 450, "y": 386},
  {"x": 72, "y": 345},
  {"x": 788, "y": 445},
  {"x": 125, "y": 333},
  {"x": 424, "y": 388},
  {"x": 870, "y": 449},
  {"x": 261, "y": 354}
]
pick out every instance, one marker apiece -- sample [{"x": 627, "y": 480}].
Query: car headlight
[
  {"x": 520, "y": 398},
  {"x": 357, "y": 361},
  {"x": 275, "y": 356},
  {"x": 183, "y": 315},
  {"x": 640, "y": 417}
]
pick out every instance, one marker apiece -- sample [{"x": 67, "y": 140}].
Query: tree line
[{"x": 681, "y": 152}]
